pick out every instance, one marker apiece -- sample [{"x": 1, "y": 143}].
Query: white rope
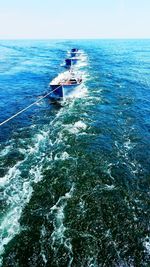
[{"x": 21, "y": 111}]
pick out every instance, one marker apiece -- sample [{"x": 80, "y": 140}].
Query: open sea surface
[{"x": 75, "y": 176}]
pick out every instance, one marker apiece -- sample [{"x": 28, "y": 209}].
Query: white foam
[
  {"x": 77, "y": 127},
  {"x": 146, "y": 244},
  {"x": 68, "y": 245},
  {"x": 65, "y": 155},
  {"x": 62, "y": 156},
  {"x": 82, "y": 205},
  {"x": 42, "y": 241},
  {"x": 12, "y": 173},
  {"x": 79, "y": 92},
  {"x": 92, "y": 262},
  {"x": 5, "y": 151},
  {"x": 36, "y": 174},
  {"x": 44, "y": 257},
  {"x": 18, "y": 192},
  {"x": 9, "y": 227},
  {"x": 19, "y": 196},
  {"x": 108, "y": 187},
  {"x": 128, "y": 145},
  {"x": 80, "y": 125},
  {"x": 58, "y": 235},
  {"x": 109, "y": 171},
  {"x": 39, "y": 137}
]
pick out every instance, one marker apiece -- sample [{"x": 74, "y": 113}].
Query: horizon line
[{"x": 75, "y": 38}]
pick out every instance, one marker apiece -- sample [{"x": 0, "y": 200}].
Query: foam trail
[
  {"x": 58, "y": 211},
  {"x": 68, "y": 245},
  {"x": 58, "y": 235},
  {"x": 76, "y": 127},
  {"x": 18, "y": 192},
  {"x": 10, "y": 225}
]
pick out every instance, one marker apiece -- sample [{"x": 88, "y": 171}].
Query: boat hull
[
  {"x": 71, "y": 61},
  {"x": 57, "y": 91},
  {"x": 63, "y": 91},
  {"x": 73, "y": 54}
]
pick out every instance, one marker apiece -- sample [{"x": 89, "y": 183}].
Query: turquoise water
[{"x": 75, "y": 177}]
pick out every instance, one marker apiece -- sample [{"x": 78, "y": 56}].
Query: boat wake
[{"x": 19, "y": 179}]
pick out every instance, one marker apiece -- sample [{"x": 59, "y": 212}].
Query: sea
[{"x": 75, "y": 174}]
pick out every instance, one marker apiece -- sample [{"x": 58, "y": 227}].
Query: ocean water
[{"x": 75, "y": 176}]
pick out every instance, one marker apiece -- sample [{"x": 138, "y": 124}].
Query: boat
[
  {"x": 74, "y": 51},
  {"x": 73, "y": 58},
  {"x": 65, "y": 84},
  {"x": 71, "y": 61}
]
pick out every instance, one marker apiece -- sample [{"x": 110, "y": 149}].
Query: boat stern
[{"x": 57, "y": 91}]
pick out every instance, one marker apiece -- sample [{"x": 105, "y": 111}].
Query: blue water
[{"x": 75, "y": 177}]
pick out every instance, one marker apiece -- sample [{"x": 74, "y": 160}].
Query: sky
[{"x": 71, "y": 19}]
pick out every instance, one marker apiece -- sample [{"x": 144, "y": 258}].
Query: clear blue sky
[{"x": 40, "y": 19}]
